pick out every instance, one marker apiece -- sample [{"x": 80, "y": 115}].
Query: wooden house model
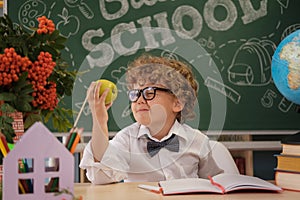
[{"x": 38, "y": 167}]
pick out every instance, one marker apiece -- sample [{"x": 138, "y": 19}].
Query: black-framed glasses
[{"x": 148, "y": 93}]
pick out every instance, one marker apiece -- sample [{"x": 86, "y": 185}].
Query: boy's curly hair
[{"x": 173, "y": 74}]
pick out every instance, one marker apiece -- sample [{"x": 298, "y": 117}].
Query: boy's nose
[{"x": 141, "y": 99}]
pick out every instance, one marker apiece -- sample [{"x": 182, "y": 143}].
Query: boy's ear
[{"x": 178, "y": 106}]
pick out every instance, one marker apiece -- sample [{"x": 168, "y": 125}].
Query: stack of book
[{"x": 287, "y": 174}]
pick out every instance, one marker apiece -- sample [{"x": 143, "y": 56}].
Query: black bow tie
[{"x": 172, "y": 144}]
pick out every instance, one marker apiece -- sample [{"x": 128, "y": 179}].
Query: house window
[
  {"x": 52, "y": 168},
  {"x": 25, "y": 166}
]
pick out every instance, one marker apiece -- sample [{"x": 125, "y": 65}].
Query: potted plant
[{"x": 33, "y": 76}]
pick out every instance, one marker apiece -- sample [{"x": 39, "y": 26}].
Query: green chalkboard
[{"x": 229, "y": 43}]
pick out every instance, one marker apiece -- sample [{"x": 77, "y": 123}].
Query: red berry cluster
[
  {"x": 40, "y": 70},
  {"x": 11, "y": 66},
  {"x": 44, "y": 93},
  {"x": 45, "y": 25},
  {"x": 46, "y": 98}
]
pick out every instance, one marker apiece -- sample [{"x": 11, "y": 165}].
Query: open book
[{"x": 221, "y": 183}]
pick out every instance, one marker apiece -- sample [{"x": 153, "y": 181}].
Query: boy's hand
[{"x": 97, "y": 103}]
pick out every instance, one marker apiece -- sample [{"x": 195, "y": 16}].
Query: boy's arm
[
  {"x": 99, "y": 141},
  {"x": 98, "y": 173},
  {"x": 207, "y": 165}
]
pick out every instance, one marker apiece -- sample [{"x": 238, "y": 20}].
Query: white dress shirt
[{"x": 126, "y": 157}]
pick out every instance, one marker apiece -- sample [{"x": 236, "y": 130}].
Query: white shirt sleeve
[
  {"x": 103, "y": 172},
  {"x": 207, "y": 164}
]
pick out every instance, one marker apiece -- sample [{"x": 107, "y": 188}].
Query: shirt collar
[{"x": 176, "y": 129}]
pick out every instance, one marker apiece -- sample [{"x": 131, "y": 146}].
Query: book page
[
  {"x": 232, "y": 182},
  {"x": 188, "y": 185}
]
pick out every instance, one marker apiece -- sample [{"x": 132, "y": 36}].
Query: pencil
[
  {"x": 21, "y": 187},
  {"x": 5, "y": 143},
  {"x": 71, "y": 141},
  {"x": 76, "y": 141},
  {"x": 68, "y": 139},
  {"x": 3, "y": 149}
]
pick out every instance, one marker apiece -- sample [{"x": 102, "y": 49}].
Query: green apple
[{"x": 113, "y": 90}]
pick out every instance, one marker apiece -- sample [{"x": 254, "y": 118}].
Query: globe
[{"x": 285, "y": 67}]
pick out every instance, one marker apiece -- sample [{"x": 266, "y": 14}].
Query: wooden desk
[{"x": 130, "y": 191}]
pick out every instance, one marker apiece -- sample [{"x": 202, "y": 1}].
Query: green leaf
[
  {"x": 22, "y": 82},
  {"x": 47, "y": 116},
  {"x": 23, "y": 76},
  {"x": 31, "y": 119},
  {"x": 54, "y": 35},
  {"x": 23, "y": 106},
  {"x": 9, "y": 120},
  {"x": 57, "y": 46},
  {"x": 9, "y": 133},
  {"x": 6, "y": 108},
  {"x": 60, "y": 40},
  {"x": 55, "y": 122},
  {"x": 26, "y": 90},
  {"x": 6, "y": 96},
  {"x": 26, "y": 98}
]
